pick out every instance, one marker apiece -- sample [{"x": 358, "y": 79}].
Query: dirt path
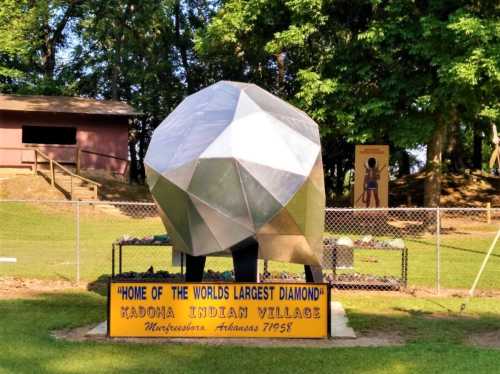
[
  {"x": 374, "y": 339},
  {"x": 489, "y": 339},
  {"x": 17, "y": 288},
  {"x": 420, "y": 292}
]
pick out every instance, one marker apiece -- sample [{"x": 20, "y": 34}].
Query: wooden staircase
[{"x": 72, "y": 185}]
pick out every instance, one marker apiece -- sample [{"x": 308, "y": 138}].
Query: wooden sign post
[{"x": 371, "y": 183}]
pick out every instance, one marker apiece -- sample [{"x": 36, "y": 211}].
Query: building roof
[{"x": 65, "y": 104}]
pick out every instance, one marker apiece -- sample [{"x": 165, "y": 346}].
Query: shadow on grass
[
  {"x": 64, "y": 277},
  {"x": 424, "y": 327},
  {"x": 100, "y": 285},
  {"x": 461, "y": 249},
  {"x": 440, "y": 305},
  {"x": 413, "y": 312}
]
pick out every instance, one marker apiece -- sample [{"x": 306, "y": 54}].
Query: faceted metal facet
[{"x": 233, "y": 162}]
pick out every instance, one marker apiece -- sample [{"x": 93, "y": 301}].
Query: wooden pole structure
[
  {"x": 480, "y": 272},
  {"x": 52, "y": 174},
  {"x": 35, "y": 154},
  {"x": 77, "y": 159},
  {"x": 495, "y": 156}
]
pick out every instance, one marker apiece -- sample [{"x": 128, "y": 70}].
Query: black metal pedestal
[
  {"x": 245, "y": 256},
  {"x": 314, "y": 274},
  {"x": 195, "y": 265}
]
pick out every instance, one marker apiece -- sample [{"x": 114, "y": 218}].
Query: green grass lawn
[
  {"x": 42, "y": 237},
  {"x": 435, "y": 341}
]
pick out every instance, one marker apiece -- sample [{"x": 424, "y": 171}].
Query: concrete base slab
[
  {"x": 99, "y": 330},
  {"x": 339, "y": 323}
]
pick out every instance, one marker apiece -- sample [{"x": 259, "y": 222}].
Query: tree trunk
[
  {"x": 133, "y": 172},
  {"x": 114, "y": 82},
  {"x": 181, "y": 45},
  {"x": 119, "y": 41},
  {"x": 280, "y": 61},
  {"x": 432, "y": 185},
  {"x": 454, "y": 149},
  {"x": 339, "y": 179},
  {"x": 404, "y": 164},
  {"x": 477, "y": 151},
  {"x": 53, "y": 37},
  {"x": 48, "y": 59},
  {"x": 115, "y": 65},
  {"x": 142, "y": 153}
]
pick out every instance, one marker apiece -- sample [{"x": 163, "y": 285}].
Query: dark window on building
[{"x": 49, "y": 135}]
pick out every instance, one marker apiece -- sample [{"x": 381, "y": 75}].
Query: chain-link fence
[
  {"x": 425, "y": 248},
  {"x": 434, "y": 249}
]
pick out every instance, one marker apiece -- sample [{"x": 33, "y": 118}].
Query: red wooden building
[{"x": 65, "y": 129}]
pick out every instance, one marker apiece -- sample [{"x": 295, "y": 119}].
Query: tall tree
[
  {"x": 13, "y": 45},
  {"x": 142, "y": 52},
  {"x": 368, "y": 71},
  {"x": 32, "y": 33}
]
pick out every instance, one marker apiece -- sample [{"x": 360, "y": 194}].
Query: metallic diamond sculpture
[{"x": 233, "y": 162}]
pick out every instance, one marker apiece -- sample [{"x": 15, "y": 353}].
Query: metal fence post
[
  {"x": 77, "y": 212},
  {"x": 438, "y": 250}
]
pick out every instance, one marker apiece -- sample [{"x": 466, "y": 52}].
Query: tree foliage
[
  {"x": 13, "y": 45},
  {"x": 401, "y": 72},
  {"x": 406, "y": 73}
]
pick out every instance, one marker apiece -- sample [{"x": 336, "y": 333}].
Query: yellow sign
[
  {"x": 147, "y": 309},
  {"x": 371, "y": 182}
]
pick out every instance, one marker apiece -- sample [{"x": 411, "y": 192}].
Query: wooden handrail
[
  {"x": 38, "y": 152},
  {"x": 77, "y": 148},
  {"x": 77, "y": 153},
  {"x": 35, "y": 145},
  {"x": 67, "y": 171},
  {"x": 15, "y": 149},
  {"x": 102, "y": 155},
  {"x": 54, "y": 164},
  {"x": 31, "y": 148}
]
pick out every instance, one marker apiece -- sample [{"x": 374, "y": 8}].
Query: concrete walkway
[
  {"x": 100, "y": 330},
  {"x": 339, "y": 323}
]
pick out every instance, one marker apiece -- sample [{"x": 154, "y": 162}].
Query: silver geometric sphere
[{"x": 233, "y": 161}]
